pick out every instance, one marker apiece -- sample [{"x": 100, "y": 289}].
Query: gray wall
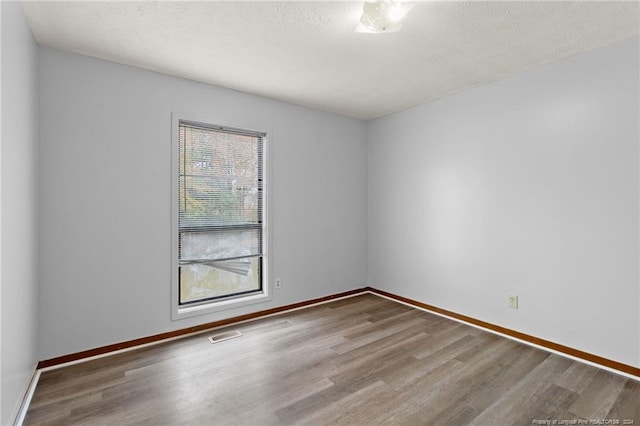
[
  {"x": 105, "y": 199},
  {"x": 19, "y": 208},
  {"x": 526, "y": 186}
]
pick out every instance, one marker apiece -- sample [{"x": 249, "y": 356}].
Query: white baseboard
[{"x": 19, "y": 416}]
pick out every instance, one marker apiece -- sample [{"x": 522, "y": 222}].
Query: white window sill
[{"x": 181, "y": 312}]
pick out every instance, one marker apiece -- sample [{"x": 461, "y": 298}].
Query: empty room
[{"x": 320, "y": 212}]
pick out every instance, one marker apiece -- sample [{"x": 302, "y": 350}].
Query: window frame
[{"x": 179, "y": 311}]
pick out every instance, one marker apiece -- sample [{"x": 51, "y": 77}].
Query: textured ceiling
[{"x": 307, "y": 52}]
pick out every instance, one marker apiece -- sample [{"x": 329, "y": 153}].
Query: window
[{"x": 220, "y": 201}]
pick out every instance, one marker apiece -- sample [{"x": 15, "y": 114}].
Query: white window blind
[{"x": 220, "y": 217}]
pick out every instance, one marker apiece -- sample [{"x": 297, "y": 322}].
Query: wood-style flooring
[{"x": 358, "y": 361}]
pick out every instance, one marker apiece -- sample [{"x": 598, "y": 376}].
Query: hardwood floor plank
[
  {"x": 627, "y": 405},
  {"x": 63, "y": 407},
  {"x": 403, "y": 377},
  {"x": 352, "y": 409},
  {"x": 442, "y": 339},
  {"x": 549, "y": 404},
  {"x": 598, "y": 398},
  {"x": 577, "y": 377},
  {"x": 483, "y": 388},
  {"x": 512, "y": 406},
  {"x": 305, "y": 407},
  {"x": 426, "y": 407}
]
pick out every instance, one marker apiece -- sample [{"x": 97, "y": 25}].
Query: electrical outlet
[
  {"x": 278, "y": 283},
  {"x": 512, "y": 301}
]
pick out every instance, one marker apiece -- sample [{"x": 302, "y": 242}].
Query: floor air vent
[{"x": 224, "y": 336}]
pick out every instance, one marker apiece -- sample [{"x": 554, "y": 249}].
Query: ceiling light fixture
[{"x": 383, "y": 16}]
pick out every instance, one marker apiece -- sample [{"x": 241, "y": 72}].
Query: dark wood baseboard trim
[
  {"x": 605, "y": 362},
  {"x": 184, "y": 331}
]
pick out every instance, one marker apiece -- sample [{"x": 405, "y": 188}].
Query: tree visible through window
[{"x": 220, "y": 215}]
